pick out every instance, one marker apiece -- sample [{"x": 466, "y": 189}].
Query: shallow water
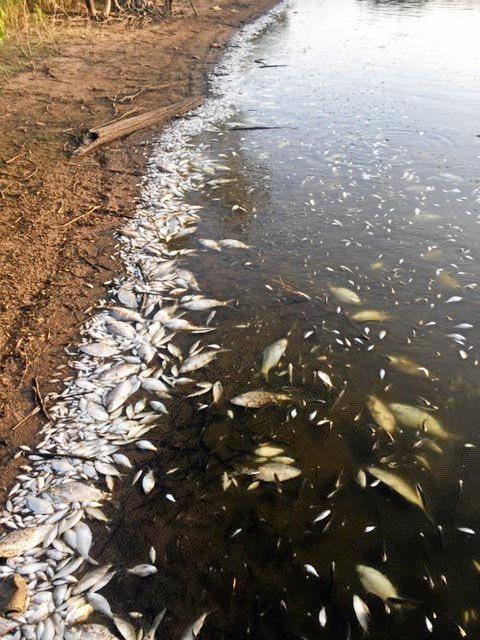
[{"x": 368, "y": 180}]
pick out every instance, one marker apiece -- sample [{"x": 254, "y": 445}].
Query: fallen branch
[{"x": 121, "y": 128}]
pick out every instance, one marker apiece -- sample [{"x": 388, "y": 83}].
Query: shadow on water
[{"x": 369, "y": 184}]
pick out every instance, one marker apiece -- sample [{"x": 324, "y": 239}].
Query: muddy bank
[{"x": 57, "y": 249}]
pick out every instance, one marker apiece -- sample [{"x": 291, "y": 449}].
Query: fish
[
  {"x": 272, "y": 355},
  {"x": 99, "y": 349},
  {"x": 408, "y": 366},
  {"x": 371, "y": 315},
  {"x": 362, "y": 612},
  {"x": 258, "y": 398},
  {"x": 120, "y": 393},
  {"x": 202, "y": 304},
  {"x": 150, "y": 635},
  {"x": 125, "y": 628},
  {"x": 143, "y": 570},
  {"x": 77, "y": 492},
  {"x": 194, "y": 629},
  {"x": 373, "y": 581},
  {"x": 381, "y": 414},
  {"x": 398, "y": 485},
  {"x": 268, "y": 451},
  {"x": 17, "y": 542},
  {"x": 415, "y": 418},
  {"x": 198, "y": 361},
  {"x": 448, "y": 281},
  {"x": 346, "y": 296},
  {"x": 148, "y": 482},
  {"x": 230, "y": 243},
  {"x": 275, "y": 472},
  {"x": 100, "y": 604},
  {"x": 95, "y": 632}
]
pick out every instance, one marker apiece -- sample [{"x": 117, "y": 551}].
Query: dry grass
[{"x": 26, "y": 16}]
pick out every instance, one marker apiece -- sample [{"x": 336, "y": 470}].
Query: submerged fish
[
  {"x": 259, "y": 398},
  {"x": 272, "y": 355},
  {"x": 381, "y": 414},
  {"x": 415, "y": 418},
  {"x": 347, "y": 296},
  {"x": 397, "y": 484},
  {"x": 373, "y": 581},
  {"x": 371, "y": 315},
  {"x": 408, "y": 366}
]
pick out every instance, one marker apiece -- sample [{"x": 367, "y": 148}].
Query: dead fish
[
  {"x": 150, "y": 635},
  {"x": 398, "y": 485},
  {"x": 118, "y": 328},
  {"x": 16, "y": 542},
  {"x": 415, "y": 418},
  {"x": 197, "y": 361},
  {"x": 448, "y": 281},
  {"x": 95, "y": 632},
  {"x": 408, "y": 366},
  {"x": 230, "y": 243},
  {"x": 373, "y": 581},
  {"x": 143, "y": 570},
  {"x": 217, "y": 392},
  {"x": 76, "y": 615},
  {"x": 126, "y": 629},
  {"x": 148, "y": 482},
  {"x": 371, "y": 315},
  {"x": 193, "y": 630},
  {"x": 202, "y": 304},
  {"x": 381, "y": 414},
  {"x": 344, "y": 295},
  {"x": 362, "y": 612},
  {"x": 90, "y": 579},
  {"x": 275, "y": 472},
  {"x": 99, "y": 350},
  {"x": 272, "y": 355},
  {"x": 210, "y": 244},
  {"x": 268, "y": 451},
  {"x": 119, "y": 394},
  {"x": 100, "y": 604},
  {"x": 77, "y": 492},
  {"x": 259, "y": 398},
  {"x": 180, "y": 324}
]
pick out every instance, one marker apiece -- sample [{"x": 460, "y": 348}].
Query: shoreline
[
  {"x": 82, "y": 442},
  {"x": 67, "y": 212}
]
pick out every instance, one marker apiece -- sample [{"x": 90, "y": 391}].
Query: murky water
[{"x": 366, "y": 178}]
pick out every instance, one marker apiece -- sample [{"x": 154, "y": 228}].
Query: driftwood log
[{"x": 120, "y": 128}]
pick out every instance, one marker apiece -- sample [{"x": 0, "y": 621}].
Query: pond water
[{"x": 363, "y": 176}]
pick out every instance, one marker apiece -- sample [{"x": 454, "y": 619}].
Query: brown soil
[{"x": 57, "y": 214}]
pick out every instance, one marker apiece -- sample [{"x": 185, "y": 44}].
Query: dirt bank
[{"x": 58, "y": 214}]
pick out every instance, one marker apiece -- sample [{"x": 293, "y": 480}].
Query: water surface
[{"x": 366, "y": 178}]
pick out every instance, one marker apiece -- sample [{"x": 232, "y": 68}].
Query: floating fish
[
  {"x": 362, "y": 612},
  {"x": 198, "y": 361},
  {"x": 275, "y": 472},
  {"x": 398, "y": 485},
  {"x": 193, "y": 630},
  {"x": 415, "y": 418},
  {"x": 259, "y": 398},
  {"x": 268, "y": 451},
  {"x": 373, "y": 581},
  {"x": 381, "y": 414},
  {"x": 272, "y": 355},
  {"x": 346, "y": 296},
  {"x": 448, "y": 281}
]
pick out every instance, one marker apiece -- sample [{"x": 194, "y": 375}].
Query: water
[{"x": 366, "y": 179}]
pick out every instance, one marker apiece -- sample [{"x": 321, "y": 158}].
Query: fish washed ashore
[
  {"x": 127, "y": 373},
  {"x": 58, "y": 214}
]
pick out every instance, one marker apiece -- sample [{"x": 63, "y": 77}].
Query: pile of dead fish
[{"x": 127, "y": 369}]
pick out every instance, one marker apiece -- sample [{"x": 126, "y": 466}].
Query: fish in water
[
  {"x": 198, "y": 361},
  {"x": 408, "y": 366},
  {"x": 274, "y": 472},
  {"x": 381, "y": 414},
  {"x": 95, "y": 632},
  {"x": 371, "y": 315},
  {"x": 448, "y": 281},
  {"x": 373, "y": 581},
  {"x": 346, "y": 296},
  {"x": 259, "y": 398},
  {"x": 268, "y": 451},
  {"x": 272, "y": 355},
  {"x": 398, "y": 485},
  {"x": 415, "y": 418}
]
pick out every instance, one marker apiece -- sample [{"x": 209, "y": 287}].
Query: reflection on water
[{"x": 365, "y": 180}]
